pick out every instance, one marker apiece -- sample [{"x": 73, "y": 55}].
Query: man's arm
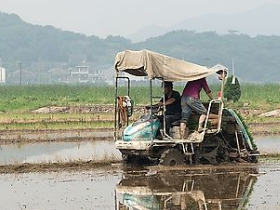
[
  {"x": 207, "y": 89},
  {"x": 168, "y": 102},
  {"x": 210, "y": 95},
  {"x": 159, "y": 104}
]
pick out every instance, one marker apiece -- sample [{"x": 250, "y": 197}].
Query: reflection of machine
[
  {"x": 228, "y": 191},
  {"x": 223, "y": 141}
]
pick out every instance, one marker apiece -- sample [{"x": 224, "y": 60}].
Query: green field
[
  {"x": 22, "y": 99},
  {"x": 18, "y": 102},
  {"x": 26, "y": 98}
]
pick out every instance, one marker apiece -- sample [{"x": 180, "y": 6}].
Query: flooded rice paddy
[
  {"x": 50, "y": 152},
  {"x": 118, "y": 187},
  {"x": 268, "y": 144},
  {"x": 106, "y": 188},
  {"x": 61, "y": 151}
]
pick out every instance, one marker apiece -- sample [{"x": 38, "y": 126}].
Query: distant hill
[
  {"x": 262, "y": 20},
  {"x": 28, "y": 43},
  {"x": 256, "y": 58}
]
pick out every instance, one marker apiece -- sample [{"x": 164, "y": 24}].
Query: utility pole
[
  {"x": 232, "y": 65},
  {"x": 50, "y": 73},
  {"x": 39, "y": 71},
  {"x": 233, "y": 73},
  {"x": 20, "y": 73}
]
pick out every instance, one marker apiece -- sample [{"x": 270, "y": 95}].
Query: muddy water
[
  {"x": 104, "y": 189},
  {"x": 58, "y": 152},
  {"x": 79, "y": 190},
  {"x": 266, "y": 192},
  {"x": 268, "y": 144},
  {"x": 89, "y": 150}
]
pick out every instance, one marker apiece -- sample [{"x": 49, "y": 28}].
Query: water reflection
[
  {"x": 268, "y": 144},
  {"x": 58, "y": 152},
  {"x": 229, "y": 191},
  {"x": 89, "y": 150}
]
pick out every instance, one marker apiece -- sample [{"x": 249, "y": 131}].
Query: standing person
[
  {"x": 172, "y": 105},
  {"x": 191, "y": 101}
]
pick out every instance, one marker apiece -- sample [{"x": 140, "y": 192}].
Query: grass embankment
[
  {"x": 18, "y": 102},
  {"x": 57, "y": 121},
  {"x": 57, "y": 167}
]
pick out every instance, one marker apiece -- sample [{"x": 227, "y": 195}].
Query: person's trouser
[{"x": 190, "y": 104}]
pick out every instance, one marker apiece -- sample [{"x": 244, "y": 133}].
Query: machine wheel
[
  {"x": 223, "y": 154},
  {"x": 172, "y": 157},
  {"x": 127, "y": 158},
  {"x": 211, "y": 156},
  {"x": 254, "y": 159}
]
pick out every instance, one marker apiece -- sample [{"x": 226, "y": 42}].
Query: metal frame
[
  {"x": 220, "y": 112},
  {"x": 163, "y": 112},
  {"x": 151, "y": 111},
  {"x": 166, "y": 141},
  {"x": 116, "y": 101},
  {"x": 221, "y": 106},
  {"x": 164, "y": 107}
]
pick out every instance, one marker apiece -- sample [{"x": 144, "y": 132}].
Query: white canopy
[{"x": 155, "y": 65}]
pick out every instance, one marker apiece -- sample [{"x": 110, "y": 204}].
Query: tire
[
  {"x": 172, "y": 157},
  {"x": 222, "y": 154},
  {"x": 128, "y": 158},
  {"x": 254, "y": 159}
]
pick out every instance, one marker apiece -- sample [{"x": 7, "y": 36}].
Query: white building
[
  {"x": 2, "y": 75},
  {"x": 79, "y": 74}
]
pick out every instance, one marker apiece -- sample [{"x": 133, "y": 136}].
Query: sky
[{"x": 119, "y": 17}]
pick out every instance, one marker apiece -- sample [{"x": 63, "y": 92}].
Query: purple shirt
[{"x": 193, "y": 88}]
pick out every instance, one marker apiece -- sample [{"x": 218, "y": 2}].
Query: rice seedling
[
  {"x": 18, "y": 102},
  {"x": 30, "y": 97}
]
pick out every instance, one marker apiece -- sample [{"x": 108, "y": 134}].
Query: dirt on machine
[{"x": 226, "y": 140}]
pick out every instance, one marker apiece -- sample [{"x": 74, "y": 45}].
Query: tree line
[{"x": 256, "y": 58}]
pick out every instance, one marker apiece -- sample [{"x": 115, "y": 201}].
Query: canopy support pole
[
  {"x": 151, "y": 112},
  {"x": 116, "y": 104}
]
